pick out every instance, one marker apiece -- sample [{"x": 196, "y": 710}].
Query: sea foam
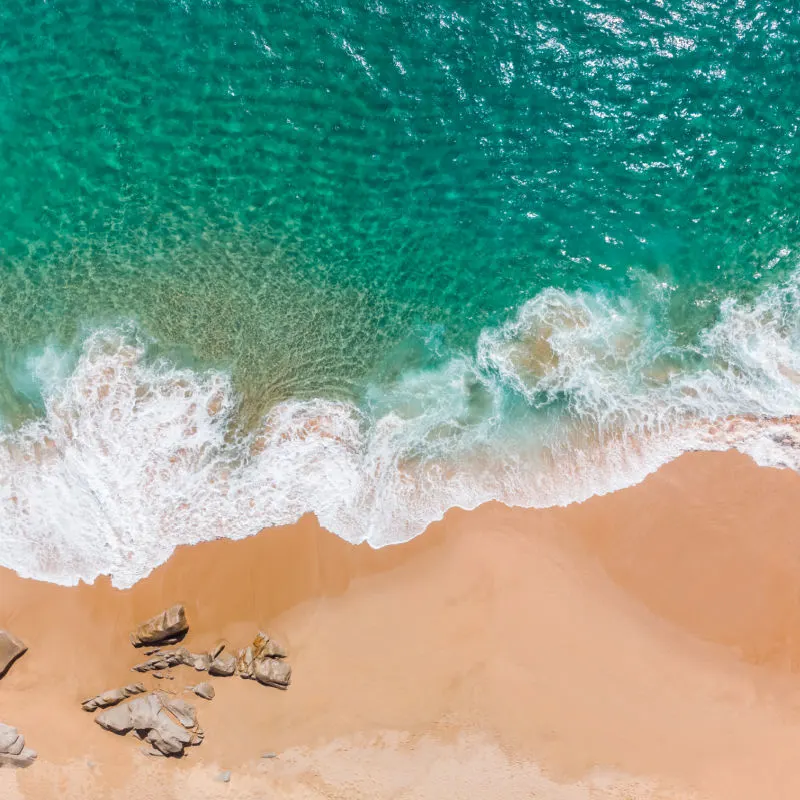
[{"x": 578, "y": 394}]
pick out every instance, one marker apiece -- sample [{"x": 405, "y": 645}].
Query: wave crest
[{"x": 579, "y": 394}]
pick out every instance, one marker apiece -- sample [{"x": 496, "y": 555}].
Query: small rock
[
  {"x": 164, "y": 659},
  {"x": 224, "y": 777},
  {"x": 273, "y": 672},
  {"x": 244, "y": 663},
  {"x": 11, "y": 649},
  {"x": 112, "y": 697},
  {"x": 269, "y": 755},
  {"x": 204, "y": 690},
  {"x": 223, "y": 665},
  {"x": 168, "y": 626},
  {"x": 156, "y": 663},
  {"x": 183, "y": 656},
  {"x": 216, "y": 650},
  {"x": 201, "y": 662},
  {"x": 12, "y": 742},
  {"x": 264, "y": 647}
]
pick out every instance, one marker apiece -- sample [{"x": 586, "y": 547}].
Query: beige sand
[{"x": 643, "y": 644}]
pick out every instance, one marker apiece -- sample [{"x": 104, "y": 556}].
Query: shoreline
[{"x": 650, "y": 636}]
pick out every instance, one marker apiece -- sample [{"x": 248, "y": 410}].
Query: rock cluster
[
  {"x": 167, "y": 724},
  {"x": 263, "y": 661},
  {"x": 13, "y": 752},
  {"x": 164, "y": 659}
]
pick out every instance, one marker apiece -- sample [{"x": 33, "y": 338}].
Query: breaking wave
[{"x": 578, "y": 394}]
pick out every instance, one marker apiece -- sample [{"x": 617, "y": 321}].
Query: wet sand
[{"x": 642, "y": 644}]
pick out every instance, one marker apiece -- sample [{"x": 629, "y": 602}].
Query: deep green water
[{"x": 517, "y": 228}]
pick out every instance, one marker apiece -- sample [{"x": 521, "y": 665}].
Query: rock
[
  {"x": 174, "y": 733},
  {"x": 13, "y": 752},
  {"x": 112, "y": 697},
  {"x": 264, "y": 647},
  {"x": 184, "y": 712},
  {"x": 168, "y": 626},
  {"x": 168, "y": 737},
  {"x": 144, "y": 711},
  {"x": 216, "y": 650},
  {"x": 269, "y": 755},
  {"x": 11, "y": 649},
  {"x": 156, "y": 663},
  {"x": 24, "y": 759},
  {"x": 166, "y": 723},
  {"x": 201, "y": 662},
  {"x": 164, "y": 659},
  {"x": 204, "y": 690},
  {"x": 223, "y": 665},
  {"x": 262, "y": 660},
  {"x": 224, "y": 776},
  {"x": 117, "y": 720},
  {"x": 11, "y": 740},
  {"x": 273, "y": 672},
  {"x": 244, "y": 663}
]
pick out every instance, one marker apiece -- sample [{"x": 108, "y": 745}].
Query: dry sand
[{"x": 643, "y": 644}]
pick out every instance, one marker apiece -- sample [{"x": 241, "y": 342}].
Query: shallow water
[{"x": 377, "y": 259}]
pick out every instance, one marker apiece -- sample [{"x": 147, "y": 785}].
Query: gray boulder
[
  {"x": 204, "y": 690},
  {"x": 201, "y": 661},
  {"x": 144, "y": 710},
  {"x": 13, "y": 752},
  {"x": 117, "y": 720},
  {"x": 11, "y": 649},
  {"x": 168, "y": 626},
  {"x": 11, "y": 740},
  {"x": 170, "y": 739},
  {"x": 223, "y": 665},
  {"x": 263, "y": 661},
  {"x": 273, "y": 672},
  {"x": 168, "y": 724},
  {"x": 184, "y": 712}
]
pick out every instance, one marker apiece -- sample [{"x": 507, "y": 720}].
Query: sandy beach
[{"x": 644, "y": 644}]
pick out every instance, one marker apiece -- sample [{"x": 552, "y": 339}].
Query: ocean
[{"x": 374, "y": 260}]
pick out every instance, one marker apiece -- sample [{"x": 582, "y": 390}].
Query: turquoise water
[{"x": 409, "y": 256}]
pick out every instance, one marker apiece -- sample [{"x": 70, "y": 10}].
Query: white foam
[{"x": 132, "y": 458}]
